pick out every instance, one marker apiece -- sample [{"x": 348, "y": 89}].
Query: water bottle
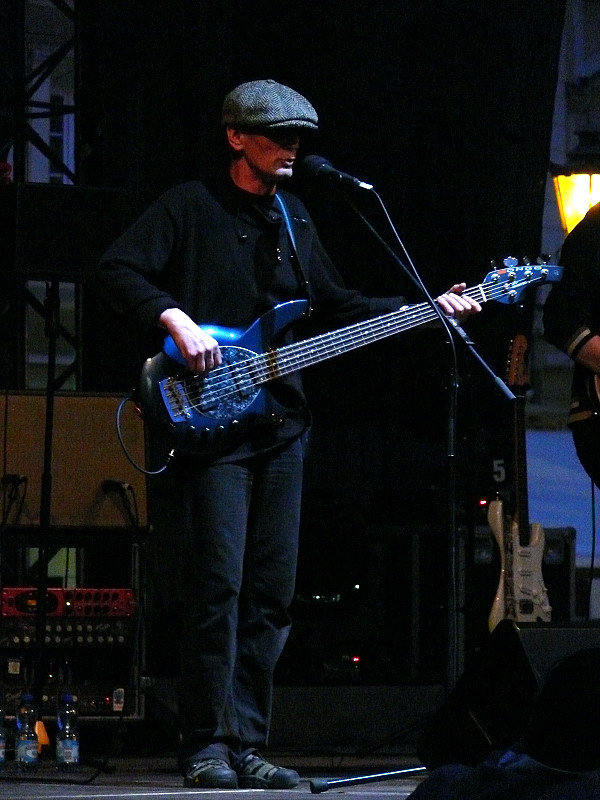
[
  {"x": 67, "y": 734},
  {"x": 26, "y": 740},
  {"x": 2, "y": 740}
]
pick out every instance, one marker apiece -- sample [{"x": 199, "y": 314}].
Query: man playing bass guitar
[{"x": 226, "y": 252}]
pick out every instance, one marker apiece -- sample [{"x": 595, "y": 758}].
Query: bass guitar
[
  {"x": 210, "y": 413},
  {"x": 521, "y": 593}
]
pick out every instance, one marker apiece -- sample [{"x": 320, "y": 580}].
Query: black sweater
[{"x": 223, "y": 256}]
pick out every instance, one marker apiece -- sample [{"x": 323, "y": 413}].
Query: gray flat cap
[{"x": 268, "y": 104}]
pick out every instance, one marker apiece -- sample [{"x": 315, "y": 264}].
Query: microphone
[{"x": 319, "y": 167}]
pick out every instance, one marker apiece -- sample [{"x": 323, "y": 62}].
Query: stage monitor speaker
[
  {"x": 57, "y": 231},
  {"x": 491, "y": 704}
]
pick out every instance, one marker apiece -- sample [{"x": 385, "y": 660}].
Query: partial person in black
[
  {"x": 226, "y": 253},
  {"x": 556, "y": 758},
  {"x": 572, "y": 323}
]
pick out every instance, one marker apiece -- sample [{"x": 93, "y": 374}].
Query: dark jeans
[{"x": 235, "y": 528}]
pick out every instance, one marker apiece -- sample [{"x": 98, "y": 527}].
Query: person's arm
[
  {"x": 589, "y": 354},
  {"x": 572, "y": 311},
  {"x": 199, "y": 349},
  {"x": 129, "y": 275}
]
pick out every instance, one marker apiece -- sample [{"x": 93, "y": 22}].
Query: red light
[
  {"x": 482, "y": 502},
  {"x": 355, "y": 659}
]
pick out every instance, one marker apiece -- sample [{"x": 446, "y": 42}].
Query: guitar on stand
[{"x": 521, "y": 594}]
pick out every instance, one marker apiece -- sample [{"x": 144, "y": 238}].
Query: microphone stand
[
  {"x": 450, "y": 325},
  {"x": 320, "y": 785}
]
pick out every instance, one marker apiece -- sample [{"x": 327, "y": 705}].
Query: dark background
[{"x": 446, "y": 108}]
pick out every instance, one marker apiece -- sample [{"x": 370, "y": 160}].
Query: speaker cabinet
[
  {"x": 86, "y": 454},
  {"x": 545, "y": 645}
]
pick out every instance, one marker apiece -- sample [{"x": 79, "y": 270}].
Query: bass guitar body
[{"x": 206, "y": 414}]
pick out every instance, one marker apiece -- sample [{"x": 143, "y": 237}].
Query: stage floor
[{"x": 157, "y": 778}]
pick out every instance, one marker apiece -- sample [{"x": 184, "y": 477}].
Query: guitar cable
[{"x": 119, "y": 429}]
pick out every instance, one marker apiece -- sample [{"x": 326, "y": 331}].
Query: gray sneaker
[
  {"x": 210, "y": 773},
  {"x": 254, "y": 772}
]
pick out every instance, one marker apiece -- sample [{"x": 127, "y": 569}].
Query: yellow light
[{"x": 575, "y": 195}]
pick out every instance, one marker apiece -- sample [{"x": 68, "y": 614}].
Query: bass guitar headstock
[{"x": 506, "y": 284}]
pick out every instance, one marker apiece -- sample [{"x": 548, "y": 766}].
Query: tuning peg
[{"x": 510, "y": 261}]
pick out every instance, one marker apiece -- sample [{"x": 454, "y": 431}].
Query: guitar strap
[{"x": 296, "y": 263}]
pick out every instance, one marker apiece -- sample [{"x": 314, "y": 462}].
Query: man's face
[{"x": 264, "y": 158}]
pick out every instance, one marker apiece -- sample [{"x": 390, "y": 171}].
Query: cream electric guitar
[{"x": 521, "y": 594}]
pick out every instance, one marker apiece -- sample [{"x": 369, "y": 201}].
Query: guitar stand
[{"x": 319, "y": 785}]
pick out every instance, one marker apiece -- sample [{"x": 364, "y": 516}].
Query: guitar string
[
  {"x": 263, "y": 367},
  {"x": 258, "y": 369},
  {"x": 230, "y": 379}
]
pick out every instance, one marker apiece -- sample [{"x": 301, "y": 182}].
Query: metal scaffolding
[
  {"x": 42, "y": 46},
  {"x": 39, "y": 84}
]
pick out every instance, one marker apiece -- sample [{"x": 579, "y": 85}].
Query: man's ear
[{"x": 235, "y": 139}]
